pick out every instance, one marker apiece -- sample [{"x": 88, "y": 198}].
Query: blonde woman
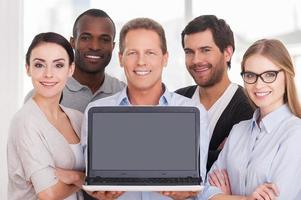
[{"x": 262, "y": 157}]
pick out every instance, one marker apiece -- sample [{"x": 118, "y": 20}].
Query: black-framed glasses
[{"x": 267, "y": 76}]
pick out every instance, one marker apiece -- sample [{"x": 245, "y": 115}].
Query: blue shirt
[
  {"x": 167, "y": 99},
  {"x": 266, "y": 152}
]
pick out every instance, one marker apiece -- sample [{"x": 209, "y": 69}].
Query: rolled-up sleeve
[{"x": 37, "y": 162}]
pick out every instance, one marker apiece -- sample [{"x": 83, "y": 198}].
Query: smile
[
  {"x": 48, "y": 83},
  {"x": 94, "y": 57},
  {"x": 262, "y": 94},
  {"x": 142, "y": 72}
]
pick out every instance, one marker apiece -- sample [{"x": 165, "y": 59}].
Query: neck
[
  {"x": 91, "y": 80},
  {"x": 49, "y": 106},
  {"x": 145, "y": 97},
  {"x": 209, "y": 95}
]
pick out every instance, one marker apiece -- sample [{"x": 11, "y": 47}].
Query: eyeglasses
[{"x": 267, "y": 76}]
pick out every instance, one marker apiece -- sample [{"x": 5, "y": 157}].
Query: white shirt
[{"x": 218, "y": 107}]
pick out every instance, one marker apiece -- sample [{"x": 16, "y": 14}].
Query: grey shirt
[
  {"x": 34, "y": 148},
  {"x": 78, "y": 96}
]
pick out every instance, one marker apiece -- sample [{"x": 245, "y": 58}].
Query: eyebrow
[
  {"x": 42, "y": 60},
  {"x": 101, "y": 35},
  {"x": 39, "y": 59},
  {"x": 199, "y": 48},
  {"x": 59, "y": 59}
]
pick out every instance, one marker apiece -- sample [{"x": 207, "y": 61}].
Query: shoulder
[
  {"x": 241, "y": 126},
  {"x": 26, "y": 122},
  {"x": 240, "y": 95},
  {"x": 293, "y": 126},
  {"x": 115, "y": 83},
  {"x": 106, "y": 101},
  {"x": 179, "y": 100},
  {"x": 187, "y": 91},
  {"x": 240, "y": 103}
]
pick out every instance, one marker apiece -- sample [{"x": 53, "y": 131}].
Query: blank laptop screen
[{"x": 144, "y": 141}]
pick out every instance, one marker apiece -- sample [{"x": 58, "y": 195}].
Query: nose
[
  {"x": 197, "y": 58},
  {"x": 259, "y": 83},
  {"x": 141, "y": 60},
  {"x": 48, "y": 72},
  {"x": 94, "y": 45}
]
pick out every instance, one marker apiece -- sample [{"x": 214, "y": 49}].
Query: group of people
[{"x": 249, "y": 136}]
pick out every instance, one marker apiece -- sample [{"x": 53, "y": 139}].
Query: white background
[{"x": 20, "y": 21}]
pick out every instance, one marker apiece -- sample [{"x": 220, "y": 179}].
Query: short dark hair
[
  {"x": 93, "y": 13},
  {"x": 221, "y": 31},
  {"x": 143, "y": 23},
  {"x": 50, "y": 37}
]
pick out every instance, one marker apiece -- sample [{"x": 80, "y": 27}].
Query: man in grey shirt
[{"x": 93, "y": 43}]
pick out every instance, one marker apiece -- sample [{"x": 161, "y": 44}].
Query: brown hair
[
  {"x": 276, "y": 52},
  {"x": 143, "y": 23}
]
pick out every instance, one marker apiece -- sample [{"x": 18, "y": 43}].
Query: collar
[
  {"x": 164, "y": 100},
  {"x": 106, "y": 87},
  {"x": 273, "y": 119}
]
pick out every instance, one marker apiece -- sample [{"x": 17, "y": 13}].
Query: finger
[
  {"x": 274, "y": 188},
  {"x": 214, "y": 179},
  {"x": 210, "y": 181},
  {"x": 257, "y": 196},
  {"x": 263, "y": 191},
  {"x": 270, "y": 193},
  {"x": 165, "y": 193},
  {"x": 226, "y": 177},
  {"x": 220, "y": 177}
]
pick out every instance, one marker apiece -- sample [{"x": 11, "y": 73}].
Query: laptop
[{"x": 142, "y": 148}]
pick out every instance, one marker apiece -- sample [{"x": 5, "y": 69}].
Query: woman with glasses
[{"x": 262, "y": 157}]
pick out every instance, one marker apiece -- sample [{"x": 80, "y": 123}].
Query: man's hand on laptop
[
  {"x": 105, "y": 195},
  {"x": 180, "y": 195}
]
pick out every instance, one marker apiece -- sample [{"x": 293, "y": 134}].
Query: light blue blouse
[{"x": 259, "y": 153}]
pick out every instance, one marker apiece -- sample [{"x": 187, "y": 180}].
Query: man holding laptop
[{"x": 143, "y": 54}]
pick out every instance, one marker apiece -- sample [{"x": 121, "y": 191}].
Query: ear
[
  {"x": 228, "y": 52},
  {"x": 113, "y": 45},
  {"x": 165, "y": 59},
  {"x": 72, "y": 41},
  {"x": 120, "y": 56},
  {"x": 71, "y": 69},
  {"x": 27, "y": 70}
]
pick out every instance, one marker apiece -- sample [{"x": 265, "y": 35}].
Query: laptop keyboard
[{"x": 144, "y": 181}]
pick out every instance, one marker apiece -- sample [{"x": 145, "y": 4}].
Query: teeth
[
  {"x": 93, "y": 57},
  {"x": 261, "y": 94},
  {"x": 142, "y": 73}
]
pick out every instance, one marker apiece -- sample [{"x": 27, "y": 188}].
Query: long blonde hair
[{"x": 276, "y": 52}]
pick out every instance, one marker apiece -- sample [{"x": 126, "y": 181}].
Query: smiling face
[
  {"x": 143, "y": 60},
  {"x": 267, "y": 96},
  {"x": 49, "y": 70},
  {"x": 93, "y": 43},
  {"x": 204, "y": 61}
]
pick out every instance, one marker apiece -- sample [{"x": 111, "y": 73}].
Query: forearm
[
  {"x": 58, "y": 191},
  {"x": 227, "y": 197},
  {"x": 78, "y": 178},
  {"x": 70, "y": 176}
]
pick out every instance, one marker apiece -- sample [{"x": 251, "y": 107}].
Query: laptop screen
[{"x": 144, "y": 139}]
